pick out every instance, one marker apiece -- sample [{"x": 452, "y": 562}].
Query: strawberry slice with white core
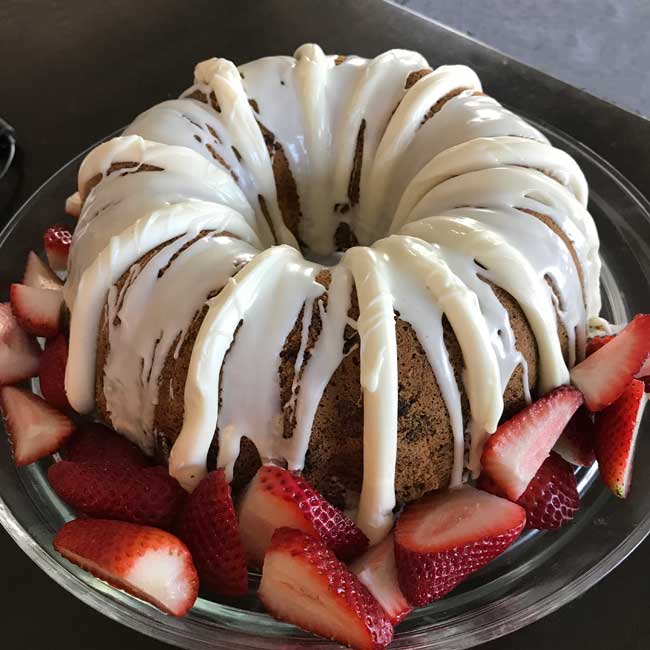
[
  {"x": 516, "y": 450},
  {"x": 35, "y": 428},
  {"x": 376, "y": 570},
  {"x": 616, "y": 432},
  {"x": 277, "y": 498},
  {"x": 304, "y": 583},
  {"x": 604, "y": 375},
  {"x": 73, "y": 205},
  {"x": 57, "y": 240},
  {"x": 19, "y": 352},
  {"x": 38, "y": 311},
  {"x": 576, "y": 444},
  {"x": 146, "y": 562},
  {"x": 443, "y": 538},
  {"x": 39, "y": 275}
]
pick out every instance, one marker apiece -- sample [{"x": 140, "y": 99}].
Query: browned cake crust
[{"x": 334, "y": 461}]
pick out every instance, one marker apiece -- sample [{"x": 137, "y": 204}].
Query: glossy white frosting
[{"x": 441, "y": 209}]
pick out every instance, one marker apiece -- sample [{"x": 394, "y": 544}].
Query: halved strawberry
[
  {"x": 515, "y": 451},
  {"x": 38, "y": 311},
  {"x": 51, "y": 372},
  {"x": 277, "y": 498},
  {"x": 576, "y": 444},
  {"x": 304, "y": 583},
  {"x": 551, "y": 498},
  {"x": 35, "y": 428},
  {"x": 96, "y": 443},
  {"x": 443, "y": 538},
  {"x": 597, "y": 342},
  {"x": 146, "y": 562},
  {"x": 19, "y": 352},
  {"x": 208, "y": 525},
  {"x": 57, "y": 240},
  {"x": 603, "y": 376},
  {"x": 376, "y": 570},
  {"x": 73, "y": 205},
  {"x": 39, "y": 275},
  {"x": 616, "y": 430},
  {"x": 148, "y": 496}
]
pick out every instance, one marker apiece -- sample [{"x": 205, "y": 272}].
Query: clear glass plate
[{"x": 539, "y": 574}]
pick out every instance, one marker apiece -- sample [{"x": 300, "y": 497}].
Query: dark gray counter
[{"x": 73, "y": 72}]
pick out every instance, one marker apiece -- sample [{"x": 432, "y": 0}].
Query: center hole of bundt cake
[
  {"x": 324, "y": 259},
  {"x": 344, "y": 238}
]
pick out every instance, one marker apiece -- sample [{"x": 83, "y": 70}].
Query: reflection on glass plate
[{"x": 540, "y": 573}]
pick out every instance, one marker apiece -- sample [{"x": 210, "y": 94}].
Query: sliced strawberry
[
  {"x": 443, "y": 538},
  {"x": 73, "y": 205},
  {"x": 146, "y": 562},
  {"x": 19, "y": 352},
  {"x": 96, "y": 443},
  {"x": 277, "y": 498},
  {"x": 148, "y": 496},
  {"x": 603, "y": 376},
  {"x": 551, "y": 498},
  {"x": 576, "y": 444},
  {"x": 376, "y": 570},
  {"x": 597, "y": 342},
  {"x": 616, "y": 430},
  {"x": 304, "y": 583},
  {"x": 208, "y": 525},
  {"x": 51, "y": 372},
  {"x": 515, "y": 451},
  {"x": 39, "y": 275},
  {"x": 38, "y": 311},
  {"x": 57, "y": 240},
  {"x": 35, "y": 428}
]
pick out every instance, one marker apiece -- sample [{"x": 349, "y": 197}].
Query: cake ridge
[{"x": 445, "y": 211}]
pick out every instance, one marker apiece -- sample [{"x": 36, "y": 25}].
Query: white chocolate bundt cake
[{"x": 352, "y": 267}]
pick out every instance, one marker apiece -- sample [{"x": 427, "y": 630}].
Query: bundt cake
[{"x": 351, "y": 267}]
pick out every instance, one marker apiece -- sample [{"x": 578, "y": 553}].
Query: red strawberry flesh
[
  {"x": 19, "y": 352},
  {"x": 597, "y": 342},
  {"x": 576, "y": 444},
  {"x": 616, "y": 432},
  {"x": 443, "y": 538},
  {"x": 40, "y": 275},
  {"x": 38, "y": 311},
  {"x": 51, "y": 372},
  {"x": 304, "y": 583},
  {"x": 35, "y": 428},
  {"x": 57, "y": 240},
  {"x": 146, "y": 562},
  {"x": 513, "y": 454},
  {"x": 604, "y": 375},
  {"x": 208, "y": 525},
  {"x": 277, "y": 498},
  {"x": 551, "y": 498},
  {"x": 96, "y": 443},
  {"x": 146, "y": 496}
]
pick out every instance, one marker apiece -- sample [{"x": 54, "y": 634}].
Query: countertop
[{"x": 75, "y": 71}]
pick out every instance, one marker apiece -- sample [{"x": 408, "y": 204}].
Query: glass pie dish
[{"x": 537, "y": 575}]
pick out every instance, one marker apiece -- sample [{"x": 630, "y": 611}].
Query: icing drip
[
  {"x": 251, "y": 395},
  {"x": 198, "y": 185},
  {"x": 376, "y": 326}
]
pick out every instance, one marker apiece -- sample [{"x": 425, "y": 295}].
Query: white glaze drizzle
[{"x": 453, "y": 186}]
